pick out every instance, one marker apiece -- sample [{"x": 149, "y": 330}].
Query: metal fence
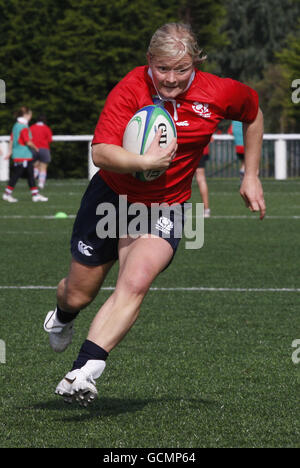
[
  {"x": 280, "y": 156},
  {"x": 276, "y": 159}
]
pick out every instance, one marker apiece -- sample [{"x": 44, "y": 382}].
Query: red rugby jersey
[
  {"x": 196, "y": 113},
  {"x": 41, "y": 135},
  {"x": 24, "y": 136}
]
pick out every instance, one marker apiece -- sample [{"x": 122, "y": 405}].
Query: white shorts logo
[
  {"x": 201, "y": 109},
  {"x": 84, "y": 249},
  {"x": 164, "y": 224}
]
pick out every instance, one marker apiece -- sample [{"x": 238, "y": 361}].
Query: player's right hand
[{"x": 157, "y": 157}]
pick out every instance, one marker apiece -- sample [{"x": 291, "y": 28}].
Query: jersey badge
[{"x": 201, "y": 109}]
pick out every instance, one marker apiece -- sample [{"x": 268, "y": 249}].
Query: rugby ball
[{"x": 141, "y": 130}]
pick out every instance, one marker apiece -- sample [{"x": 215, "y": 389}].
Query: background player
[
  {"x": 21, "y": 149},
  {"x": 236, "y": 129},
  {"x": 202, "y": 182},
  {"x": 41, "y": 137}
]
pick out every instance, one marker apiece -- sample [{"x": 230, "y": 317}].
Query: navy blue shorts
[
  {"x": 43, "y": 155},
  {"x": 104, "y": 216},
  {"x": 203, "y": 160}
]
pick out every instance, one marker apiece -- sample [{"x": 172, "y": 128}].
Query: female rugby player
[{"x": 200, "y": 101}]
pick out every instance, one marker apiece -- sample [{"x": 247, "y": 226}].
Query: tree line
[{"x": 62, "y": 57}]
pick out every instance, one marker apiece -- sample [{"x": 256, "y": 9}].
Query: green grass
[{"x": 198, "y": 369}]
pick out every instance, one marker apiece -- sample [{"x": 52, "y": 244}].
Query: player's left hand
[{"x": 252, "y": 192}]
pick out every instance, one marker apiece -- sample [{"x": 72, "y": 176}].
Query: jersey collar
[{"x": 22, "y": 120}]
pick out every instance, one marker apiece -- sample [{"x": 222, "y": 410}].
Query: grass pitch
[{"x": 207, "y": 364}]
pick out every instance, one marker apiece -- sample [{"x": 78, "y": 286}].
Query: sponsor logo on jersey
[
  {"x": 84, "y": 249},
  {"x": 201, "y": 109},
  {"x": 185, "y": 123}
]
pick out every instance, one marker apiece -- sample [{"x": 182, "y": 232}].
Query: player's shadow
[{"x": 107, "y": 407}]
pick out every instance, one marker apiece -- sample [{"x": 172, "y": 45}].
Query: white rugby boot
[
  {"x": 8, "y": 197},
  {"x": 60, "y": 334},
  {"x": 79, "y": 385},
  {"x": 39, "y": 198}
]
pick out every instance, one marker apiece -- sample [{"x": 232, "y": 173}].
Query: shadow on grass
[{"x": 106, "y": 407}]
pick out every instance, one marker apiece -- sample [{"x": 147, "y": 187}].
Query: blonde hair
[{"x": 175, "y": 40}]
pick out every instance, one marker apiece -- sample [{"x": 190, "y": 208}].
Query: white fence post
[
  {"x": 4, "y": 163},
  {"x": 280, "y": 160}
]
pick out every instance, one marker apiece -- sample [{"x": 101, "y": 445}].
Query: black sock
[
  {"x": 89, "y": 350},
  {"x": 65, "y": 317}
]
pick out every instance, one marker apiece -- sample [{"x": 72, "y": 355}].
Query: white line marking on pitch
[
  {"x": 23, "y": 232},
  {"x": 254, "y": 217},
  {"x": 191, "y": 289},
  {"x": 212, "y": 217},
  {"x": 32, "y": 217}
]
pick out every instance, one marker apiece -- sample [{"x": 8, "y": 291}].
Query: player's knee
[{"x": 138, "y": 284}]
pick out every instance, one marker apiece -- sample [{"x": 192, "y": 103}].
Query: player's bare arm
[
  {"x": 32, "y": 145},
  {"x": 251, "y": 189},
  {"x": 117, "y": 159},
  {"x": 9, "y": 150}
]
